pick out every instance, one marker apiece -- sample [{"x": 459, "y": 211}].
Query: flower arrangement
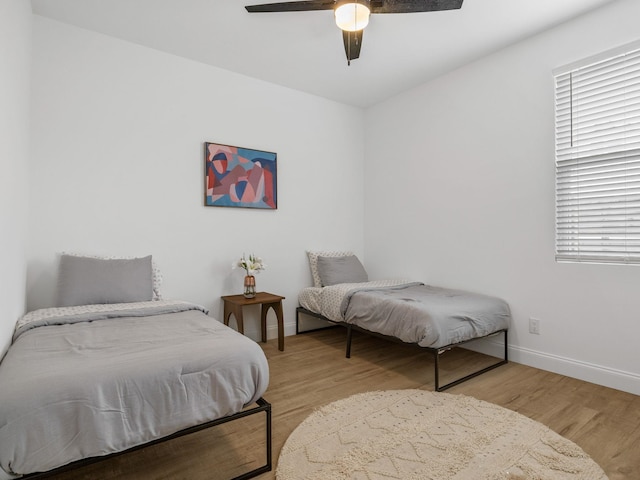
[{"x": 252, "y": 265}]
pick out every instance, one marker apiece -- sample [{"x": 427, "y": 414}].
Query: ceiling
[{"x": 304, "y": 50}]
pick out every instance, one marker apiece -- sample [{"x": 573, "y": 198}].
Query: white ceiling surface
[{"x": 304, "y": 50}]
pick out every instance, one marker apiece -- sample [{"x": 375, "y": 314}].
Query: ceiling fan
[{"x": 353, "y": 15}]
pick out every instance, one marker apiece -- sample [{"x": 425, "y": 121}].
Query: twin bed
[
  {"x": 88, "y": 380},
  {"x": 436, "y": 319}
]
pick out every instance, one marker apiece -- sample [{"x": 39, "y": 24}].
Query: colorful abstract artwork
[{"x": 240, "y": 177}]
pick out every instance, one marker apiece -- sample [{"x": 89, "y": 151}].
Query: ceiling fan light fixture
[{"x": 352, "y": 16}]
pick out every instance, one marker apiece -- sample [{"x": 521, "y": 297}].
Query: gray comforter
[
  {"x": 74, "y": 389},
  {"x": 429, "y": 316}
]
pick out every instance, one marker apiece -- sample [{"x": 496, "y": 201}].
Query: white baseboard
[
  {"x": 588, "y": 372},
  {"x": 272, "y": 331}
]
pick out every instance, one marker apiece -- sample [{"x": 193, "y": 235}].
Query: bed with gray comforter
[
  {"x": 82, "y": 382},
  {"x": 428, "y": 316},
  {"x": 413, "y": 312},
  {"x": 437, "y": 319}
]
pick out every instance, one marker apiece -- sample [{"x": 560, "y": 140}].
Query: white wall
[
  {"x": 459, "y": 179},
  {"x": 460, "y": 172},
  {"x": 15, "y": 55},
  {"x": 117, "y": 156}
]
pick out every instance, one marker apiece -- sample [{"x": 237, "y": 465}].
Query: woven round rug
[{"x": 420, "y": 435}]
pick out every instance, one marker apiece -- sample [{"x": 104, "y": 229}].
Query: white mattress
[{"x": 309, "y": 298}]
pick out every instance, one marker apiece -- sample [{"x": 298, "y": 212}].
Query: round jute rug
[{"x": 420, "y": 435}]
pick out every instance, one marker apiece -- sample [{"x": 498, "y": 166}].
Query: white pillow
[{"x": 313, "y": 262}]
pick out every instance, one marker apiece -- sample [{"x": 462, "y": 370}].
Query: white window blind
[{"x": 598, "y": 161}]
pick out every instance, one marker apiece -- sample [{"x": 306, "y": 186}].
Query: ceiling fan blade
[
  {"x": 413, "y": 6},
  {"x": 302, "y": 6},
  {"x": 352, "y": 43}
]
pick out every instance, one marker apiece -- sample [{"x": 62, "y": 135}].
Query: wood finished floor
[{"x": 312, "y": 371}]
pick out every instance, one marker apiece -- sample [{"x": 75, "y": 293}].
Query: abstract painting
[{"x": 240, "y": 177}]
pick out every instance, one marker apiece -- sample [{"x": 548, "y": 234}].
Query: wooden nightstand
[{"x": 234, "y": 303}]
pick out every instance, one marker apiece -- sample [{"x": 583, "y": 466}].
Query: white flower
[{"x": 252, "y": 265}]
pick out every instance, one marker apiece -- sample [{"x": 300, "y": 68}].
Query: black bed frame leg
[
  {"x": 269, "y": 465},
  {"x": 349, "y": 334},
  {"x": 436, "y": 358},
  {"x": 506, "y": 346}
]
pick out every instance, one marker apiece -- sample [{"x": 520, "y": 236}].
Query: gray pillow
[
  {"x": 334, "y": 270},
  {"x": 89, "y": 281}
]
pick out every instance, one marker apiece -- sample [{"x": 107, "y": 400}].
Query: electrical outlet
[{"x": 534, "y": 326}]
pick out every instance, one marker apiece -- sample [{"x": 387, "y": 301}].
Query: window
[{"x": 598, "y": 159}]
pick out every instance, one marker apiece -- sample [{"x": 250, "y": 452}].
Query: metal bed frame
[
  {"x": 263, "y": 406},
  {"x": 436, "y": 352}
]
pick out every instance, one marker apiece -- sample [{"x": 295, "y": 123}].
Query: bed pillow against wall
[
  {"x": 156, "y": 274},
  {"x": 89, "y": 281},
  {"x": 313, "y": 262},
  {"x": 334, "y": 270}
]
